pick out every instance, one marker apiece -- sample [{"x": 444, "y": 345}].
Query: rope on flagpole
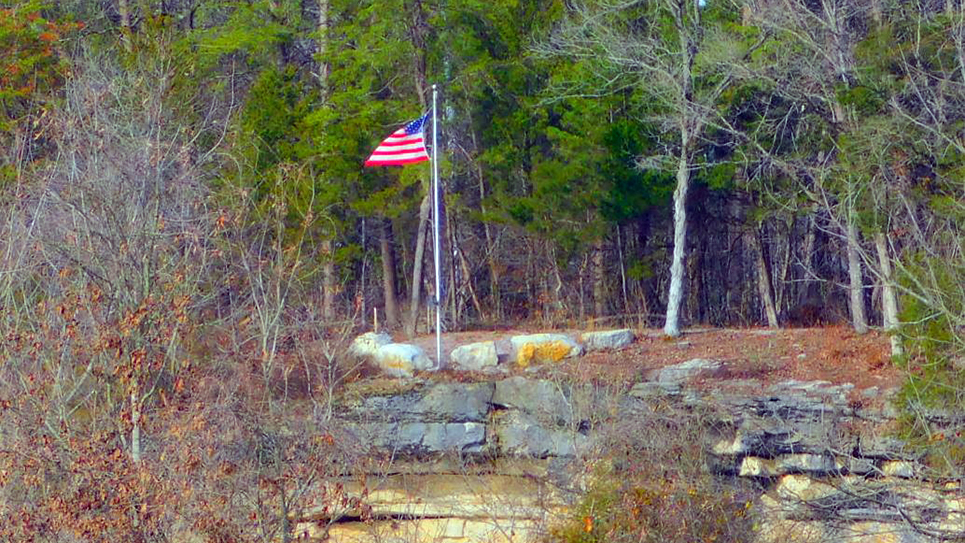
[{"x": 435, "y": 231}]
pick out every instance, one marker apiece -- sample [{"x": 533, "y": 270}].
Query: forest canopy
[{"x": 182, "y": 182}]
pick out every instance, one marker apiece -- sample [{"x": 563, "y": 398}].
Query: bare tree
[
  {"x": 821, "y": 61},
  {"x": 665, "y": 48}
]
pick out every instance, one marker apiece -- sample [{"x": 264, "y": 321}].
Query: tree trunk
[
  {"x": 135, "y": 428},
  {"x": 858, "y": 318},
  {"x": 807, "y": 258},
  {"x": 328, "y": 281},
  {"x": 467, "y": 275},
  {"x": 780, "y": 283},
  {"x": 675, "y": 298},
  {"x": 417, "y": 35},
  {"x": 889, "y": 299},
  {"x": 420, "y": 249},
  {"x": 582, "y": 288},
  {"x": 623, "y": 272},
  {"x": 328, "y": 267},
  {"x": 388, "y": 276},
  {"x": 360, "y": 307},
  {"x": 599, "y": 279},
  {"x": 322, "y": 42},
  {"x": 764, "y": 283},
  {"x": 418, "y": 30},
  {"x": 124, "y": 10},
  {"x": 490, "y": 249}
]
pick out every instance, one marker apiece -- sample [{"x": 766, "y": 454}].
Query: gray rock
[
  {"x": 806, "y": 463},
  {"x": 679, "y": 373},
  {"x": 883, "y": 447},
  {"x": 442, "y": 402},
  {"x": 609, "y": 339},
  {"x": 475, "y": 356},
  {"x": 544, "y": 399},
  {"x": 871, "y": 392},
  {"x": 857, "y": 466},
  {"x": 456, "y": 402},
  {"x": 418, "y": 438},
  {"x": 367, "y": 344},
  {"x": 766, "y": 433},
  {"x": 520, "y": 434},
  {"x": 655, "y": 390},
  {"x": 402, "y": 359}
]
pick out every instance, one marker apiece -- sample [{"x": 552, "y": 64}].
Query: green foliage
[
  {"x": 935, "y": 380},
  {"x": 33, "y": 68},
  {"x": 254, "y": 29},
  {"x": 632, "y": 190},
  {"x": 865, "y": 101},
  {"x": 276, "y": 105},
  {"x": 31, "y": 60}
]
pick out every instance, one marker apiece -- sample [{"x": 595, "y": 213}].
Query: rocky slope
[{"x": 500, "y": 458}]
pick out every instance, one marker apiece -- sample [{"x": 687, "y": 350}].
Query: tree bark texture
[
  {"x": 328, "y": 281},
  {"x": 889, "y": 299},
  {"x": 418, "y": 258},
  {"x": 856, "y": 286},
  {"x": 765, "y": 284},
  {"x": 675, "y": 297},
  {"x": 328, "y": 254},
  {"x": 387, "y": 248},
  {"x": 599, "y": 278}
]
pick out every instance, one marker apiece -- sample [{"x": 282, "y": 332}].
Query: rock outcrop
[
  {"x": 403, "y": 360},
  {"x": 498, "y": 460}
]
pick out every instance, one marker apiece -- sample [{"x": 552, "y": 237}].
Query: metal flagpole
[{"x": 435, "y": 232}]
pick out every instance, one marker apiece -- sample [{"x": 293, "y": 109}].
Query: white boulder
[
  {"x": 475, "y": 356},
  {"x": 368, "y": 344},
  {"x": 402, "y": 359}
]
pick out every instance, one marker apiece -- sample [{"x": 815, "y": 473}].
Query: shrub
[{"x": 658, "y": 489}]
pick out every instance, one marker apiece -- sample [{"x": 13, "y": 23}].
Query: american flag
[{"x": 404, "y": 146}]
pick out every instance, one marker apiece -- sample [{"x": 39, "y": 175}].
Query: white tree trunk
[
  {"x": 764, "y": 281},
  {"x": 889, "y": 299},
  {"x": 858, "y": 318},
  {"x": 675, "y": 298}
]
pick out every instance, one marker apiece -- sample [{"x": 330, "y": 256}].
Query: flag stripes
[{"x": 404, "y": 146}]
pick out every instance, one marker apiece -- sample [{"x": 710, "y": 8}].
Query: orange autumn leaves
[{"x": 31, "y": 60}]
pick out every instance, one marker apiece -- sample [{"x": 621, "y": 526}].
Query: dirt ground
[{"x": 833, "y": 353}]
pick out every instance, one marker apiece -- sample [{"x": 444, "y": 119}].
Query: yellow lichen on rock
[
  {"x": 525, "y": 354},
  {"x": 396, "y": 363},
  {"x": 553, "y": 351}
]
